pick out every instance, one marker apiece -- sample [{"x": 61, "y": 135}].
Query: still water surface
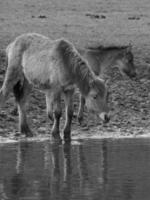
[{"x": 84, "y": 170}]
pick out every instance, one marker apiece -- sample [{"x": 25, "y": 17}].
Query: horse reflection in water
[
  {"x": 58, "y": 172},
  {"x": 74, "y": 174},
  {"x": 19, "y": 182}
]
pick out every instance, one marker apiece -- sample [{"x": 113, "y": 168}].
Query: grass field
[{"x": 86, "y": 22}]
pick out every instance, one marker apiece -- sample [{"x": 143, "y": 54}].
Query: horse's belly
[
  {"x": 45, "y": 71},
  {"x": 38, "y": 73}
]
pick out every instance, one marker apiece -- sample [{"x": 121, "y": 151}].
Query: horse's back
[
  {"x": 41, "y": 59},
  {"x": 28, "y": 55}
]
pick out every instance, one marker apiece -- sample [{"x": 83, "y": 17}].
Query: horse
[
  {"x": 103, "y": 58},
  {"x": 56, "y": 68}
]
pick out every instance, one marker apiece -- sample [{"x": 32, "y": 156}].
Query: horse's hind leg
[
  {"x": 69, "y": 114},
  {"x": 21, "y": 93},
  {"x": 81, "y": 109},
  {"x": 12, "y": 76},
  {"x": 3, "y": 97},
  {"x": 53, "y": 101},
  {"x": 14, "y": 111}
]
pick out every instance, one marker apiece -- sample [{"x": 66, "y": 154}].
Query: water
[{"x": 84, "y": 170}]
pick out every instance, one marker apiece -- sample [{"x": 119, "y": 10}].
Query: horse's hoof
[
  {"x": 67, "y": 137},
  {"x": 80, "y": 120},
  {"x": 67, "y": 140},
  {"x": 56, "y": 137},
  {"x": 57, "y": 140},
  {"x": 26, "y": 130},
  {"x": 29, "y": 134}
]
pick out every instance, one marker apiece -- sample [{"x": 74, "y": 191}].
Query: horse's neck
[
  {"x": 101, "y": 60},
  {"x": 83, "y": 77},
  {"x": 108, "y": 59},
  {"x": 93, "y": 60}
]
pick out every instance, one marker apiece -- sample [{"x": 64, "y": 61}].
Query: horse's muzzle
[
  {"x": 133, "y": 75},
  {"x": 105, "y": 117}
]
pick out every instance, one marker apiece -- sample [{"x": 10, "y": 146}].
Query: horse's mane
[
  {"x": 101, "y": 47},
  {"x": 75, "y": 64}
]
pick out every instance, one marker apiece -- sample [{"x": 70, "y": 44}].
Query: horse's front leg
[
  {"x": 69, "y": 114},
  {"x": 81, "y": 109},
  {"x": 56, "y": 117},
  {"x": 49, "y": 105}
]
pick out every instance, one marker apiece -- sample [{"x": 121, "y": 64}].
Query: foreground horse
[
  {"x": 55, "y": 68},
  {"x": 101, "y": 59}
]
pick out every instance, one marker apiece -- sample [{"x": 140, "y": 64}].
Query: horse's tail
[
  {"x": 2, "y": 54},
  {"x": 3, "y": 60},
  {"x": 14, "y": 72}
]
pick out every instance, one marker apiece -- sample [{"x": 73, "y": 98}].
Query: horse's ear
[
  {"x": 129, "y": 47},
  {"x": 106, "y": 82},
  {"x": 91, "y": 83}
]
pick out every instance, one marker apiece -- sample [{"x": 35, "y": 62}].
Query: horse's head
[
  {"x": 97, "y": 99},
  {"x": 125, "y": 62}
]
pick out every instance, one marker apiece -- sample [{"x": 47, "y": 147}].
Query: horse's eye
[
  {"x": 107, "y": 96},
  {"x": 94, "y": 97}
]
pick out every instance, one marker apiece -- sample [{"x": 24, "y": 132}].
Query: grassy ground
[{"x": 85, "y": 23}]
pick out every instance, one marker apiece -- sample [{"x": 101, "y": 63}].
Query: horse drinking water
[
  {"x": 102, "y": 59},
  {"x": 55, "y": 67}
]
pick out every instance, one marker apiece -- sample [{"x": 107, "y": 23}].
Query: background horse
[
  {"x": 103, "y": 59},
  {"x": 55, "y": 67}
]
